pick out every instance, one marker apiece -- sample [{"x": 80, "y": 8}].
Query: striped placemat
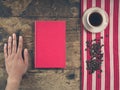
[{"x": 107, "y": 77}]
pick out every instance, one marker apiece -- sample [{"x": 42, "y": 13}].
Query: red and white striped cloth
[{"x": 110, "y": 76}]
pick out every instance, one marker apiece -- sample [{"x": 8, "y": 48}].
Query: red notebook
[{"x": 50, "y": 44}]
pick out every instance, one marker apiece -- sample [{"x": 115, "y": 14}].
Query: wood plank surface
[{"x": 19, "y": 16}]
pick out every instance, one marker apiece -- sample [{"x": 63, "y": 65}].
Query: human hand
[{"x": 16, "y": 66}]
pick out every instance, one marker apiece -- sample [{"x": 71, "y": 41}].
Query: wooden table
[{"x": 19, "y": 16}]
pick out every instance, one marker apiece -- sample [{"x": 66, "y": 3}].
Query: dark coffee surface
[{"x": 95, "y": 19}]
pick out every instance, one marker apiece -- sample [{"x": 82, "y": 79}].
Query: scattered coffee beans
[{"x": 96, "y": 55}]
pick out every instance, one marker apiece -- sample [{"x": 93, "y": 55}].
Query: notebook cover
[{"x": 50, "y": 44}]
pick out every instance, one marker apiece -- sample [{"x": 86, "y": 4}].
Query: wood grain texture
[
  {"x": 45, "y": 8},
  {"x": 19, "y": 17},
  {"x": 52, "y": 80}
]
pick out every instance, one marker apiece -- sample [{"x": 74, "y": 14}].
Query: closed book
[{"x": 50, "y": 44}]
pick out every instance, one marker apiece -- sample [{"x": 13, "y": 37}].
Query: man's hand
[{"x": 16, "y": 66}]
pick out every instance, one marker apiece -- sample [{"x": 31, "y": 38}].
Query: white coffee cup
[{"x": 95, "y": 19}]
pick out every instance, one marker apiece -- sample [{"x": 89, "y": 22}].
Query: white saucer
[{"x": 91, "y": 28}]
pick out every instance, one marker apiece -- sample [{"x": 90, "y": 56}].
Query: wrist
[
  {"x": 14, "y": 79},
  {"x": 13, "y": 83}
]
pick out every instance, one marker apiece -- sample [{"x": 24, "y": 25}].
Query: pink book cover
[{"x": 50, "y": 44}]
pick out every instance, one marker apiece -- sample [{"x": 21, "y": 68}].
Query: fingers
[
  {"x": 5, "y": 50},
  {"x": 26, "y": 56},
  {"x": 9, "y": 45},
  {"x": 14, "y": 46},
  {"x": 20, "y": 45}
]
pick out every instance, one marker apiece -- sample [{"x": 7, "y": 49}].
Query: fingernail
[
  {"x": 10, "y": 37},
  {"x": 13, "y": 34},
  {"x": 26, "y": 51},
  {"x": 5, "y": 45},
  {"x": 20, "y": 37}
]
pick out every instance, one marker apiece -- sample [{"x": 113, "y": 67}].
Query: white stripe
[
  {"x": 119, "y": 41},
  {"x": 93, "y": 3},
  {"x": 111, "y": 46},
  {"x": 103, "y": 63},
  {"x": 94, "y": 74},
  {"x": 84, "y": 52},
  {"x": 93, "y": 37}
]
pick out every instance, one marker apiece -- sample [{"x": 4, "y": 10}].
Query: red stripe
[
  {"x": 89, "y": 37},
  {"x": 98, "y": 3},
  {"x": 115, "y": 45},
  {"x": 89, "y": 76},
  {"x": 106, "y": 49},
  {"x": 82, "y": 48},
  {"x": 98, "y": 80}
]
